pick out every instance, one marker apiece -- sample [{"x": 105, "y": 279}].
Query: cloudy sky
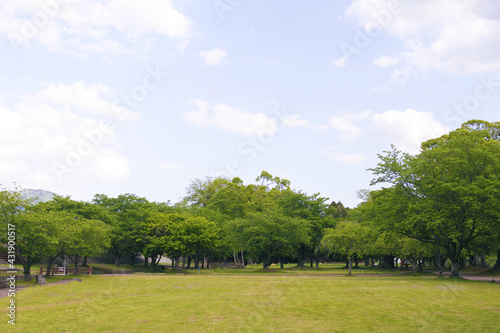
[{"x": 108, "y": 96}]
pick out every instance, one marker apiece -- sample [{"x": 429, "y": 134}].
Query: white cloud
[
  {"x": 435, "y": 41},
  {"x": 296, "y": 121},
  {"x": 96, "y": 99},
  {"x": 83, "y": 28},
  {"x": 227, "y": 118},
  {"x": 344, "y": 124},
  {"x": 110, "y": 165},
  {"x": 55, "y": 137},
  {"x": 406, "y": 129},
  {"x": 213, "y": 57}
]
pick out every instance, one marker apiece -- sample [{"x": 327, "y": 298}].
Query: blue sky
[{"x": 144, "y": 96}]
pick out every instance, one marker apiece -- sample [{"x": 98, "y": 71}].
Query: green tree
[
  {"x": 12, "y": 206},
  {"x": 41, "y": 234},
  {"x": 178, "y": 234},
  {"x": 129, "y": 212},
  {"x": 348, "y": 238},
  {"x": 90, "y": 228},
  {"x": 313, "y": 211},
  {"x": 449, "y": 194},
  {"x": 268, "y": 236},
  {"x": 90, "y": 238}
]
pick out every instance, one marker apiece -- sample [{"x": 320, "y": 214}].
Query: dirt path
[
  {"x": 473, "y": 277},
  {"x": 5, "y": 291}
]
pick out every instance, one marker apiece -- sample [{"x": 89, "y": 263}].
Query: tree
[
  {"x": 129, "y": 212},
  {"x": 348, "y": 238},
  {"x": 42, "y": 234},
  {"x": 91, "y": 238},
  {"x": 12, "y": 206},
  {"x": 88, "y": 234},
  {"x": 268, "y": 236},
  {"x": 12, "y": 203},
  {"x": 449, "y": 194},
  {"x": 178, "y": 234},
  {"x": 313, "y": 211}
]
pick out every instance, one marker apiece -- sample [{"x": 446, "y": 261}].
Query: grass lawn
[{"x": 229, "y": 303}]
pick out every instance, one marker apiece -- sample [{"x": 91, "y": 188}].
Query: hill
[{"x": 38, "y": 195}]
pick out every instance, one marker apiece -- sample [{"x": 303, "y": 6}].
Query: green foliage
[
  {"x": 348, "y": 238},
  {"x": 448, "y": 195},
  {"x": 177, "y": 235},
  {"x": 127, "y": 213},
  {"x": 268, "y": 236}
]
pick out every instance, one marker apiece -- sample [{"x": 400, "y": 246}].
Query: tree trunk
[
  {"x": 146, "y": 261},
  {"x": 497, "y": 263},
  {"x": 49, "y": 266},
  {"x": 301, "y": 256},
  {"x": 439, "y": 264},
  {"x": 27, "y": 272},
  {"x": 117, "y": 261},
  {"x": 189, "y": 262},
  {"x": 388, "y": 262},
  {"x": 482, "y": 258},
  {"x": 350, "y": 265},
  {"x": 317, "y": 263},
  {"x": 235, "y": 257},
  {"x": 242, "y": 258},
  {"x": 281, "y": 265},
  {"x": 474, "y": 260},
  {"x": 454, "y": 267},
  {"x": 76, "y": 261},
  {"x": 132, "y": 260},
  {"x": 84, "y": 262}
]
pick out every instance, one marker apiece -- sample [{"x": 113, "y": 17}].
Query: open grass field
[{"x": 259, "y": 303}]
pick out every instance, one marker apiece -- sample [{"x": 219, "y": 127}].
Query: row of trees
[{"x": 441, "y": 203}]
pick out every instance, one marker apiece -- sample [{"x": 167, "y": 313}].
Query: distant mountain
[{"x": 38, "y": 195}]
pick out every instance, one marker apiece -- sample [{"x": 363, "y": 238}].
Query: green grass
[
  {"x": 292, "y": 269},
  {"x": 166, "y": 303}
]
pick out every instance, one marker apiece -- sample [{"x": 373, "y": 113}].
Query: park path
[
  {"x": 5, "y": 291},
  {"x": 473, "y": 277}
]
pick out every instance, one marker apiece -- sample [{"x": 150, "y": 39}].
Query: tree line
[{"x": 442, "y": 203}]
